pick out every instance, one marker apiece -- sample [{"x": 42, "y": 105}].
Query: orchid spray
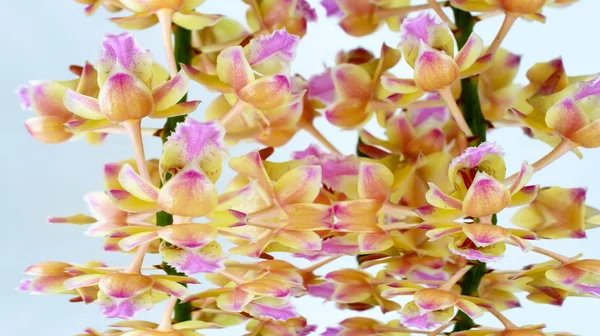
[{"x": 423, "y": 204}]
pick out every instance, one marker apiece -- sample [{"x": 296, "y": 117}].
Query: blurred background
[{"x": 42, "y": 38}]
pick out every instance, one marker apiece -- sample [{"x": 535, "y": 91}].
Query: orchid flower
[
  {"x": 356, "y": 85},
  {"x": 269, "y": 15},
  {"x": 193, "y": 155},
  {"x": 91, "y": 6},
  {"x": 480, "y": 241},
  {"x": 478, "y": 175},
  {"x": 354, "y": 287},
  {"x": 363, "y": 17},
  {"x": 289, "y": 218},
  {"x": 125, "y": 74},
  {"x": 433, "y": 307},
  {"x": 244, "y": 95},
  {"x": 496, "y": 88},
  {"x": 45, "y": 98},
  {"x": 428, "y": 47},
  {"x": 121, "y": 295},
  {"x": 49, "y": 278},
  {"x": 557, "y": 213},
  {"x": 370, "y": 213},
  {"x": 255, "y": 294}
]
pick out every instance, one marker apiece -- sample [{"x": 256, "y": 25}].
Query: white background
[{"x": 41, "y": 38}]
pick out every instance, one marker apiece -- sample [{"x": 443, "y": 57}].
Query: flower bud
[
  {"x": 124, "y": 97},
  {"x": 434, "y": 70},
  {"x": 48, "y": 129},
  {"x": 522, "y": 6}
]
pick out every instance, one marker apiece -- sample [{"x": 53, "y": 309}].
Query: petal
[
  {"x": 374, "y": 181},
  {"x": 374, "y": 242},
  {"x": 234, "y": 301},
  {"x": 233, "y": 69},
  {"x": 48, "y": 268},
  {"x": 136, "y": 21},
  {"x": 271, "y": 54},
  {"x": 299, "y": 240},
  {"x": 48, "y": 129},
  {"x": 487, "y": 157},
  {"x": 208, "y": 259},
  {"x": 351, "y": 293},
  {"x": 188, "y": 194},
  {"x": 124, "y": 309},
  {"x": 123, "y": 51},
  {"x": 200, "y": 143},
  {"x": 351, "y": 81},
  {"x": 266, "y": 287},
  {"x": 133, "y": 241},
  {"x": 399, "y": 85},
  {"x": 359, "y": 211},
  {"x": 47, "y": 285},
  {"x": 211, "y": 82},
  {"x": 300, "y": 185},
  {"x": 321, "y": 88},
  {"x": 524, "y": 175},
  {"x": 83, "y": 281},
  {"x": 485, "y": 254},
  {"x": 431, "y": 213},
  {"x": 79, "y": 219},
  {"x": 470, "y": 52},
  {"x": 485, "y": 197},
  {"x": 190, "y": 236},
  {"x": 46, "y": 98},
  {"x": 170, "y": 92},
  {"x": 171, "y": 288},
  {"x": 566, "y": 117},
  {"x": 472, "y": 310},
  {"x": 83, "y": 106},
  {"x": 271, "y": 308},
  {"x": 412, "y": 317},
  {"x": 192, "y": 20},
  {"x": 176, "y": 110},
  {"x": 439, "y": 199},
  {"x": 565, "y": 275},
  {"x": 83, "y": 126},
  {"x": 348, "y": 113},
  {"x": 588, "y": 136},
  {"x": 485, "y": 234},
  {"x": 267, "y": 93},
  {"x": 524, "y": 245},
  {"x": 429, "y": 299},
  {"x": 442, "y": 232},
  {"x": 136, "y": 185},
  {"x": 359, "y": 25},
  {"x": 127, "y": 202}
]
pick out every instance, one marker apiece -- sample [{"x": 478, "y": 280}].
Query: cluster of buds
[{"x": 423, "y": 203}]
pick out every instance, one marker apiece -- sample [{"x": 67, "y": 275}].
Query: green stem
[
  {"x": 469, "y": 103},
  {"x": 183, "y": 54}
]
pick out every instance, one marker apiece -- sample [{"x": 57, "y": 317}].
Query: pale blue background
[{"x": 41, "y": 38}]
